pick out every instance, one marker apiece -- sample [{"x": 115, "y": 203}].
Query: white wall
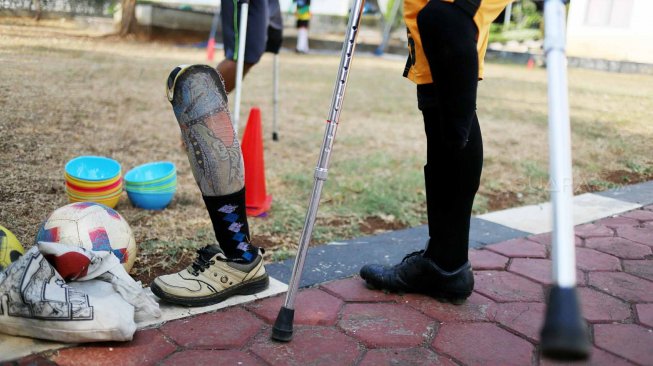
[{"x": 632, "y": 41}]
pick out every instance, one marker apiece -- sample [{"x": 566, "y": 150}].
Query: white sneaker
[{"x": 211, "y": 278}]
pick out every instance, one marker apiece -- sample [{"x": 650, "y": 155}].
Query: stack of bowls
[
  {"x": 93, "y": 179},
  {"x": 151, "y": 186}
]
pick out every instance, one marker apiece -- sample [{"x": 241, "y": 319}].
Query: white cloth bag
[{"x": 99, "y": 305}]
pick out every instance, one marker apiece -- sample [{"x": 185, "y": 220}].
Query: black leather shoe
[{"x": 419, "y": 274}]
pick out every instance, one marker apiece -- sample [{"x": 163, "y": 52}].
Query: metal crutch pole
[
  {"x": 283, "y": 326},
  {"x": 240, "y": 63},
  {"x": 564, "y": 335},
  {"x": 388, "y": 27},
  {"x": 275, "y": 97}
]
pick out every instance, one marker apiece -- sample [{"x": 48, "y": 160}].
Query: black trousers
[{"x": 454, "y": 143}]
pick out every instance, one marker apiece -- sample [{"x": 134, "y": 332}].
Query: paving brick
[
  {"x": 476, "y": 308},
  {"x": 592, "y": 260},
  {"x": 538, "y": 270},
  {"x": 211, "y": 357},
  {"x": 310, "y": 346},
  {"x": 525, "y": 318},
  {"x": 519, "y": 248},
  {"x": 640, "y": 234},
  {"x": 354, "y": 289},
  {"x": 147, "y": 348},
  {"x": 630, "y": 341},
  {"x": 639, "y": 268},
  {"x": 404, "y": 357},
  {"x": 312, "y": 307},
  {"x": 645, "y": 314},
  {"x": 598, "y": 357},
  {"x": 640, "y": 215},
  {"x": 617, "y": 222},
  {"x": 385, "y": 325},
  {"x": 545, "y": 239},
  {"x": 619, "y": 247},
  {"x": 226, "y": 329},
  {"x": 593, "y": 231},
  {"x": 482, "y": 344},
  {"x": 623, "y": 285},
  {"x": 502, "y": 286},
  {"x": 599, "y": 307},
  {"x": 486, "y": 260}
]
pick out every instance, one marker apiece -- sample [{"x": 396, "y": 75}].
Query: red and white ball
[{"x": 92, "y": 226}]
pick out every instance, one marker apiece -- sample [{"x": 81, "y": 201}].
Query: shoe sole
[
  {"x": 244, "y": 288},
  {"x": 444, "y": 297}
]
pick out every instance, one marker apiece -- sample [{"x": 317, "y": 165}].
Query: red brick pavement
[{"x": 344, "y": 323}]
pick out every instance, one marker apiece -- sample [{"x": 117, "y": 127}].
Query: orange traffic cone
[
  {"x": 531, "y": 63},
  {"x": 257, "y": 201}
]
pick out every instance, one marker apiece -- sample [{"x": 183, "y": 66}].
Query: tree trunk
[{"x": 128, "y": 21}]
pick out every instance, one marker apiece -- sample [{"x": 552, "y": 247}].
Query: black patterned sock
[{"x": 229, "y": 221}]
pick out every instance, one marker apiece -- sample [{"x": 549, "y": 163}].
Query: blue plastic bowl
[
  {"x": 171, "y": 188},
  {"x": 92, "y": 168},
  {"x": 172, "y": 181},
  {"x": 151, "y": 173},
  {"x": 151, "y": 201}
]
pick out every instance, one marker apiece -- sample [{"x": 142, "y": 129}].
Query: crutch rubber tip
[
  {"x": 282, "y": 330},
  {"x": 564, "y": 335},
  {"x": 275, "y": 136}
]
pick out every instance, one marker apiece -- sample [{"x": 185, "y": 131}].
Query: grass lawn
[{"x": 65, "y": 94}]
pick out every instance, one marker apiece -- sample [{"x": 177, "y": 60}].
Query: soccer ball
[
  {"x": 10, "y": 248},
  {"x": 92, "y": 226}
]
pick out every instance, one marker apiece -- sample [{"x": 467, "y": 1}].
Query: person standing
[
  {"x": 447, "y": 42},
  {"x": 264, "y": 34},
  {"x": 303, "y": 15}
]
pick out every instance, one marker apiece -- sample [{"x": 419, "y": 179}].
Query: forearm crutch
[
  {"x": 275, "y": 97},
  {"x": 283, "y": 326},
  {"x": 564, "y": 335},
  {"x": 240, "y": 62},
  {"x": 390, "y": 21}
]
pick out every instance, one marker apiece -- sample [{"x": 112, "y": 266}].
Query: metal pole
[
  {"x": 240, "y": 63},
  {"x": 283, "y": 327},
  {"x": 210, "y": 45},
  {"x": 275, "y": 97},
  {"x": 388, "y": 27},
  {"x": 507, "y": 14},
  {"x": 564, "y": 335}
]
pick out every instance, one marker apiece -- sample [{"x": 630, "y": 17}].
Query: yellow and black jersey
[{"x": 418, "y": 69}]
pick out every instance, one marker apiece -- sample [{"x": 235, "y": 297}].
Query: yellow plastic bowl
[
  {"x": 93, "y": 197},
  {"x": 91, "y": 184},
  {"x": 109, "y": 202}
]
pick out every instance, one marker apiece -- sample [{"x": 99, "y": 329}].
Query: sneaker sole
[
  {"x": 244, "y": 288},
  {"x": 444, "y": 297}
]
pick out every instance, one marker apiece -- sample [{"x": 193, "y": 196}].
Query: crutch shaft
[
  {"x": 564, "y": 335},
  {"x": 282, "y": 329},
  {"x": 240, "y": 62},
  {"x": 275, "y": 97},
  {"x": 563, "y": 254}
]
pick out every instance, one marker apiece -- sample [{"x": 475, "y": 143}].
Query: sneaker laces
[
  {"x": 410, "y": 255},
  {"x": 203, "y": 259}
]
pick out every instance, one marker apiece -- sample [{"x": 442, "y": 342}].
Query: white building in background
[{"x": 616, "y": 30}]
